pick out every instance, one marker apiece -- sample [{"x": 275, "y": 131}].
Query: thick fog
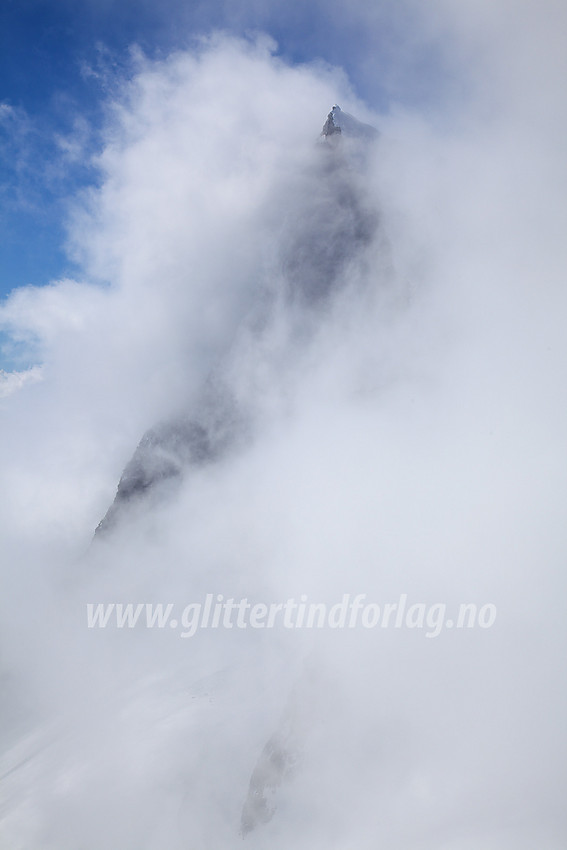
[{"x": 397, "y": 427}]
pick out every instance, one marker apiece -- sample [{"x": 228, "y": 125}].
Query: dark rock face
[
  {"x": 333, "y": 223},
  {"x": 341, "y": 122},
  {"x": 329, "y": 127},
  {"x": 341, "y": 226},
  {"x": 171, "y": 447},
  {"x": 162, "y": 454},
  {"x": 276, "y": 764}
]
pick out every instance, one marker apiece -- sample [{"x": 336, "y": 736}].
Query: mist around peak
[{"x": 400, "y": 434}]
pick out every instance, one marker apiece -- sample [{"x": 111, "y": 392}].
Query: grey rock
[
  {"x": 333, "y": 223},
  {"x": 339, "y": 122}
]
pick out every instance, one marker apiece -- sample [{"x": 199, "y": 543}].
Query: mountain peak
[{"x": 339, "y": 122}]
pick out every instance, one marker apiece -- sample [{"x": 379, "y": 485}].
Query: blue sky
[{"x": 58, "y": 59}]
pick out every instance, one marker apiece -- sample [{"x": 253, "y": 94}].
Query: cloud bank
[{"x": 408, "y": 439}]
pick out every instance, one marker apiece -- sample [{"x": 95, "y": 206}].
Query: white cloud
[
  {"x": 11, "y": 382},
  {"x": 410, "y": 439}
]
